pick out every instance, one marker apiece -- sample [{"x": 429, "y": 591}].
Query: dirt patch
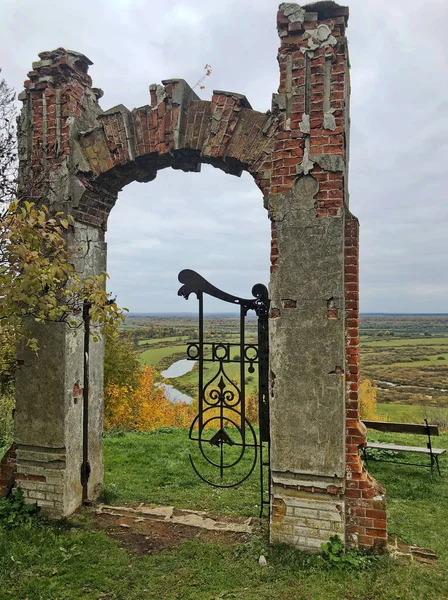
[{"x": 144, "y": 536}]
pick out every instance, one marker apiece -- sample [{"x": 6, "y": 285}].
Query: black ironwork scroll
[{"x": 229, "y": 444}]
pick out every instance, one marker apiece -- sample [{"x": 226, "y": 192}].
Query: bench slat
[
  {"x": 396, "y": 448},
  {"x": 402, "y": 427}
]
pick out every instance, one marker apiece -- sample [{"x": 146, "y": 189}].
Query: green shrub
[
  {"x": 6, "y": 420},
  {"x": 437, "y": 416},
  {"x": 379, "y": 454},
  {"x": 335, "y": 557},
  {"x": 114, "y": 433},
  {"x": 164, "y": 429},
  {"x": 15, "y": 513}
]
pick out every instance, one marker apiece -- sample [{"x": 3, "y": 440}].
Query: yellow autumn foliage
[
  {"x": 367, "y": 400},
  {"x": 144, "y": 408}
]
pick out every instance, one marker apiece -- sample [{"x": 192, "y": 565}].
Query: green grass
[
  {"x": 155, "y": 468},
  {"x": 70, "y": 561},
  {"x": 76, "y": 564},
  {"x": 418, "y": 511},
  {"x": 421, "y": 341},
  {"x": 431, "y": 359},
  {"x": 405, "y": 413},
  {"x": 154, "y": 355}
]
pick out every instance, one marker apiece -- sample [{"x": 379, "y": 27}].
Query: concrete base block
[{"x": 306, "y": 516}]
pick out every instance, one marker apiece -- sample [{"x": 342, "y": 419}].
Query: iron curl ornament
[{"x": 229, "y": 445}]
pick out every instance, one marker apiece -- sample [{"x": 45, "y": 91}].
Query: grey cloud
[{"x": 215, "y": 223}]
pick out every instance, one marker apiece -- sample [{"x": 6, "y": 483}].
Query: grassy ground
[
  {"x": 72, "y": 561},
  {"x": 417, "y": 506},
  {"x": 155, "y": 468}
]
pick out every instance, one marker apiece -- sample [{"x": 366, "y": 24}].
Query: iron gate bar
[{"x": 228, "y": 398}]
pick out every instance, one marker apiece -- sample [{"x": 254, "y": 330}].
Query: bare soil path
[{"x": 145, "y": 529}]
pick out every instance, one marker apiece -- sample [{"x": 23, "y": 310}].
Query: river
[{"x": 177, "y": 369}]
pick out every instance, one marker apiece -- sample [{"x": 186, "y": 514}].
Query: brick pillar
[
  {"x": 57, "y": 102},
  {"x": 319, "y": 486}
]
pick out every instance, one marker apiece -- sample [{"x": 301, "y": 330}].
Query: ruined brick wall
[
  {"x": 365, "y": 497},
  {"x": 179, "y": 130},
  {"x": 297, "y": 153}
]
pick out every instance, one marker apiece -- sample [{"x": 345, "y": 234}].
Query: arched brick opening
[
  {"x": 176, "y": 130},
  {"x": 77, "y": 157}
]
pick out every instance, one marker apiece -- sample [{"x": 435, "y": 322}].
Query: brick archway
[
  {"x": 297, "y": 154},
  {"x": 176, "y": 130}
]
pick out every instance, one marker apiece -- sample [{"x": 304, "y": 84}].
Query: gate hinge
[{"x": 85, "y": 472}]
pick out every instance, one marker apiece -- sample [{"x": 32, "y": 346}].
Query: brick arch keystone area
[{"x": 77, "y": 157}]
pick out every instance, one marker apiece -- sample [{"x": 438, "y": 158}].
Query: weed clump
[
  {"x": 333, "y": 556},
  {"x": 15, "y": 513}
]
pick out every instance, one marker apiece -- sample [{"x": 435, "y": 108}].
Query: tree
[
  {"x": 8, "y": 143},
  {"x": 121, "y": 363},
  {"x": 38, "y": 278},
  {"x": 8, "y": 163},
  {"x": 144, "y": 408},
  {"x": 367, "y": 400},
  {"x": 37, "y": 274}
]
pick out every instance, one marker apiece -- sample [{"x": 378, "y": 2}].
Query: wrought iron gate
[{"x": 228, "y": 444}]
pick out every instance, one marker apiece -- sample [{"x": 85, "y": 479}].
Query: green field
[
  {"x": 155, "y": 355},
  {"x": 431, "y": 359},
  {"x": 422, "y": 341},
  {"x": 417, "y": 363},
  {"x": 413, "y": 413},
  {"x": 417, "y": 366},
  {"x": 188, "y": 383},
  {"x": 74, "y": 560},
  {"x": 173, "y": 338}
]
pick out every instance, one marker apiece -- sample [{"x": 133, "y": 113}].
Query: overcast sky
[{"x": 215, "y": 223}]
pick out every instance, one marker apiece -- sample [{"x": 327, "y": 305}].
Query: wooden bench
[{"x": 425, "y": 429}]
